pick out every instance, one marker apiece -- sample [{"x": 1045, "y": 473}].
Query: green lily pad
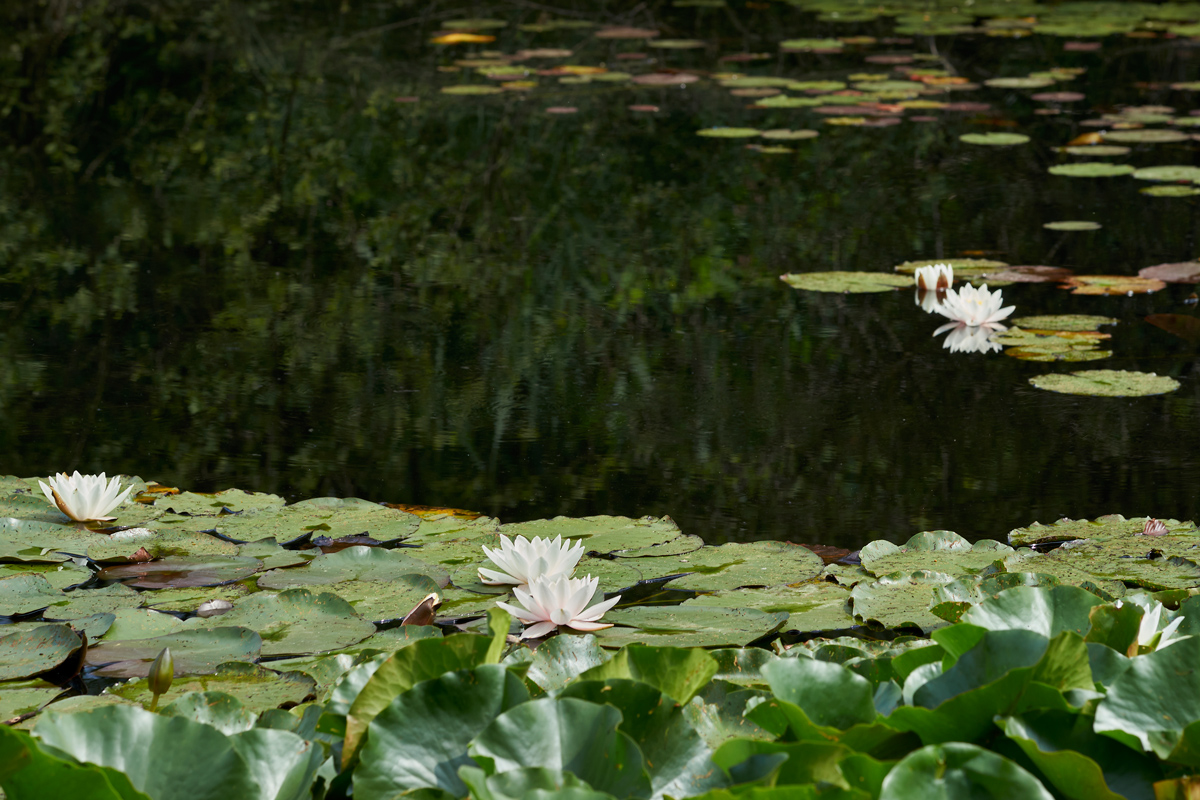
[
  {"x": 273, "y": 556},
  {"x": 321, "y": 516},
  {"x": 1053, "y": 345},
  {"x": 938, "y": 551},
  {"x": 899, "y": 600},
  {"x": 474, "y": 24},
  {"x": 1111, "y": 285},
  {"x": 809, "y": 45},
  {"x": 1168, "y": 173},
  {"x": 1091, "y": 169},
  {"x": 1073, "y": 224},
  {"x": 677, "y": 44},
  {"x": 160, "y": 543},
  {"x": 813, "y": 606},
  {"x": 296, "y": 622},
  {"x": 680, "y": 626},
  {"x": 1106, "y": 383},
  {"x": 1096, "y": 150},
  {"x": 196, "y": 652},
  {"x": 738, "y": 564},
  {"x": 62, "y": 575},
  {"x": 19, "y": 698},
  {"x": 471, "y": 89},
  {"x": 26, "y": 653},
  {"x": 678, "y": 546},
  {"x": 353, "y": 563},
  {"x": 785, "y": 134},
  {"x": 184, "y": 571},
  {"x": 258, "y": 689},
  {"x": 602, "y": 534},
  {"x": 1171, "y": 191},
  {"x": 998, "y": 139},
  {"x": 970, "y": 769},
  {"x": 385, "y": 600},
  {"x": 188, "y": 599},
  {"x": 1019, "y": 83},
  {"x": 963, "y": 267},
  {"x": 729, "y": 133},
  {"x": 220, "y": 710},
  {"x": 1146, "y": 136},
  {"x": 22, "y": 594},
  {"x": 1064, "y": 322},
  {"x": 33, "y": 541},
  {"x": 846, "y": 282},
  {"x": 211, "y": 505},
  {"x": 93, "y": 625},
  {"x": 86, "y": 602},
  {"x": 450, "y": 528},
  {"x": 141, "y": 623}
]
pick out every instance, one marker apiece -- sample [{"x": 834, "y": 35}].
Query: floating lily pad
[
  {"x": 273, "y": 556},
  {"x": 738, "y": 564},
  {"x": 899, "y": 600},
  {"x": 729, "y": 133},
  {"x": 602, "y": 534},
  {"x": 353, "y": 563},
  {"x": 1109, "y": 526},
  {"x": 938, "y": 551},
  {"x": 1175, "y": 172},
  {"x": 26, "y": 653},
  {"x": 19, "y": 698},
  {"x": 784, "y": 134},
  {"x": 296, "y": 622},
  {"x": 1023, "y": 274},
  {"x": 1179, "y": 272},
  {"x": 196, "y": 652},
  {"x": 677, "y": 44},
  {"x": 471, "y": 89},
  {"x": 813, "y": 606},
  {"x": 188, "y": 599},
  {"x": 140, "y": 623},
  {"x": 321, "y": 516},
  {"x": 174, "y": 573},
  {"x": 1097, "y": 150},
  {"x": 1053, "y": 345},
  {"x": 1073, "y": 225},
  {"x": 227, "y": 501},
  {"x": 258, "y": 689},
  {"x": 160, "y": 543},
  {"x": 1106, "y": 383},
  {"x": 1091, "y": 169},
  {"x": 31, "y": 541},
  {"x": 1146, "y": 136},
  {"x": 22, "y": 594},
  {"x": 1171, "y": 191},
  {"x": 86, "y": 602},
  {"x": 1064, "y": 322},
  {"x": 385, "y": 600},
  {"x": 625, "y": 32},
  {"x": 963, "y": 267},
  {"x": 1112, "y": 284},
  {"x": 444, "y": 528},
  {"x": 998, "y": 139},
  {"x": 1019, "y": 83},
  {"x": 810, "y": 45},
  {"x": 1068, "y": 355},
  {"x": 846, "y": 282},
  {"x": 683, "y": 626}
]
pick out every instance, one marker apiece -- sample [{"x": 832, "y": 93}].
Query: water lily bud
[{"x": 162, "y": 672}]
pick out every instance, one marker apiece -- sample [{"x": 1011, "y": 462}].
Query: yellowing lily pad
[
  {"x": 1072, "y": 225},
  {"x": 729, "y": 133},
  {"x": 1097, "y": 150},
  {"x": 1106, "y": 383},
  {"x": 1019, "y": 83},
  {"x": 1146, "y": 136},
  {"x": 1112, "y": 284},
  {"x": 788, "y": 135},
  {"x": 472, "y": 89},
  {"x": 846, "y": 282}
]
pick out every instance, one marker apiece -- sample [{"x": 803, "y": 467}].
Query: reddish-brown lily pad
[
  {"x": 1029, "y": 274},
  {"x": 664, "y": 79},
  {"x": 175, "y": 573},
  {"x": 1180, "y": 272},
  {"x": 624, "y": 32}
]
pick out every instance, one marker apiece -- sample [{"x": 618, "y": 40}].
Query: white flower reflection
[
  {"x": 930, "y": 302},
  {"x": 966, "y": 338}
]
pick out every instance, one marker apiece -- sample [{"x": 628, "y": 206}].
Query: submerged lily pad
[
  {"x": 1064, "y": 322},
  {"x": 846, "y": 282},
  {"x": 1091, "y": 169},
  {"x": 1106, "y": 383},
  {"x": 999, "y": 139},
  {"x": 1112, "y": 284},
  {"x": 1073, "y": 225}
]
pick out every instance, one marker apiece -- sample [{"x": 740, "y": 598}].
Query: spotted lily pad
[
  {"x": 26, "y": 653},
  {"x": 162, "y": 542},
  {"x": 1091, "y": 169},
  {"x": 174, "y": 573},
  {"x": 196, "y": 652},
  {"x": 738, "y": 564},
  {"x": 683, "y": 626},
  {"x": 998, "y": 139},
  {"x": 812, "y": 606},
  {"x": 899, "y": 600},
  {"x": 1106, "y": 383},
  {"x": 1053, "y": 345},
  {"x": 321, "y": 516},
  {"x": 1073, "y": 225},
  {"x": 87, "y": 602},
  {"x": 227, "y": 501},
  {"x": 938, "y": 551},
  {"x": 1112, "y": 284},
  {"x": 296, "y": 622},
  {"x": 846, "y": 282},
  {"x": 385, "y": 600}
]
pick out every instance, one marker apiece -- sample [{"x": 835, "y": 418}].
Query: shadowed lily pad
[
  {"x": 162, "y": 543},
  {"x": 1146, "y": 136},
  {"x": 1106, "y": 383},
  {"x": 258, "y": 689},
  {"x": 846, "y": 282},
  {"x": 196, "y": 652},
  {"x": 26, "y": 653}
]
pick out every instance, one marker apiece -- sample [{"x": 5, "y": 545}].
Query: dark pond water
[{"x": 236, "y": 252}]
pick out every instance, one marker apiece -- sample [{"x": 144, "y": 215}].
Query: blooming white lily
[
  {"x": 550, "y": 602},
  {"x": 1150, "y": 638},
  {"x": 523, "y": 560},
  {"x": 934, "y": 278},
  {"x": 974, "y": 307},
  {"x": 85, "y": 497},
  {"x": 965, "y": 338}
]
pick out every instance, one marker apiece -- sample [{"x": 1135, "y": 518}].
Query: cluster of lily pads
[{"x": 1060, "y": 664}]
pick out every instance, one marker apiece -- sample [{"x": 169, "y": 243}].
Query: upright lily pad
[
  {"x": 956, "y": 769},
  {"x": 846, "y": 282},
  {"x": 1106, "y": 383}
]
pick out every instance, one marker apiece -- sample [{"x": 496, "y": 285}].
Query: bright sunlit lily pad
[
  {"x": 846, "y": 282},
  {"x": 994, "y": 138},
  {"x": 1106, "y": 383},
  {"x": 729, "y": 133},
  {"x": 1072, "y": 225},
  {"x": 1176, "y": 172}
]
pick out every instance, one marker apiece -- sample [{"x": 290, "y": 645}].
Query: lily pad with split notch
[
  {"x": 195, "y": 652},
  {"x": 1073, "y": 225},
  {"x": 737, "y": 564},
  {"x": 846, "y": 282},
  {"x": 257, "y": 688},
  {"x": 811, "y": 607},
  {"x": 1106, "y": 383},
  {"x": 683, "y": 626},
  {"x": 184, "y": 571},
  {"x": 1112, "y": 285},
  {"x": 296, "y": 622},
  {"x": 353, "y": 563},
  {"x": 1091, "y": 169},
  {"x": 994, "y": 139}
]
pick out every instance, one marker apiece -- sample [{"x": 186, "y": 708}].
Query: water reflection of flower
[
  {"x": 965, "y": 338},
  {"x": 930, "y": 302}
]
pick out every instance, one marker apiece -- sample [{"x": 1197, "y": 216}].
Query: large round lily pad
[
  {"x": 321, "y": 516},
  {"x": 175, "y": 573},
  {"x": 20, "y": 698},
  {"x": 938, "y": 551},
  {"x": 846, "y": 282},
  {"x": 353, "y": 563},
  {"x": 296, "y": 622},
  {"x": 812, "y": 606},
  {"x": 1176, "y": 172},
  {"x": 1106, "y": 383},
  {"x": 602, "y": 534},
  {"x": 227, "y": 501},
  {"x": 1091, "y": 169},
  {"x": 385, "y": 600},
  {"x": 738, "y": 564},
  {"x": 31, "y": 540},
  {"x": 22, "y": 594},
  {"x": 899, "y": 600},
  {"x": 195, "y": 652},
  {"x": 86, "y": 602},
  {"x": 683, "y": 626},
  {"x": 1111, "y": 284}
]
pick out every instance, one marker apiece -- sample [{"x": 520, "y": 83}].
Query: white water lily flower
[
  {"x": 523, "y": 560},
  {"x": 85, "y": 497},
  {"x": 550, "y": 602},
  {"x": 973, "y": 307},
  {"x": 965, "y": 338},
  {"x": 1149, "y": 635},
  {"x": 934, "y": 278}
]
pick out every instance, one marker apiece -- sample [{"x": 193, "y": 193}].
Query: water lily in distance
[
  {"x": 551, "y": 602},
  {"x": 85, "y": 498},
  {"x": 521, "y": 560}
]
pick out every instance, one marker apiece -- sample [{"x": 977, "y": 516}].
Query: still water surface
[{"x": 237, "y": 252}]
